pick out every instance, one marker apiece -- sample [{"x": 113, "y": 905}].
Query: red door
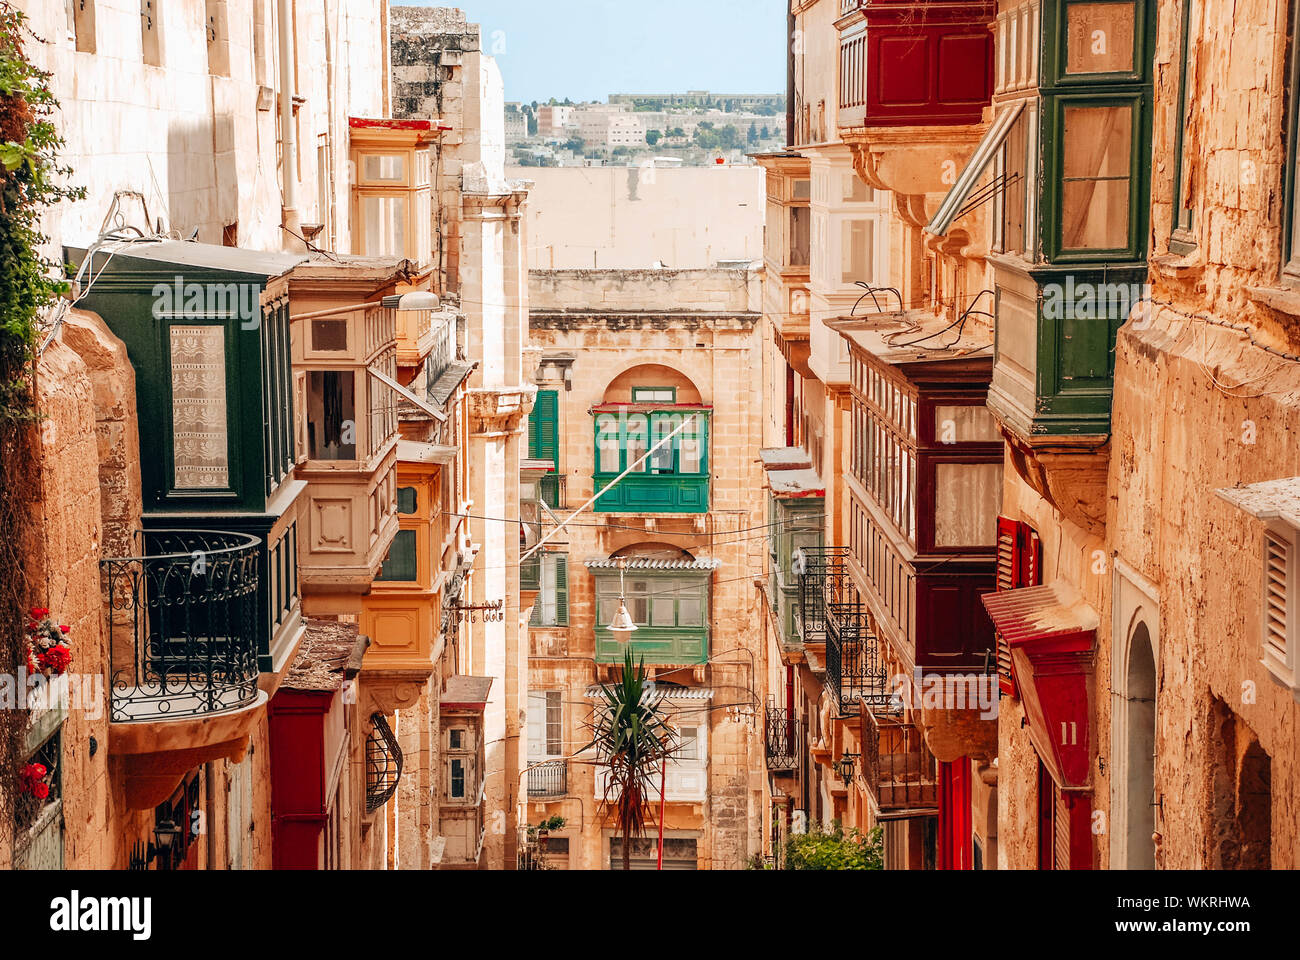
[
  {"x": 955, "y": 845},
  {"x": 1064, "y": 826}
]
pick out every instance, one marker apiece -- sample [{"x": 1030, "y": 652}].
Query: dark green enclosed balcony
[
  {"x": 672, "y": 479},
  {"x": 668, "y": 600}
]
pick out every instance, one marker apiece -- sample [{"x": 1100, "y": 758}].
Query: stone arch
[
  {"x": 652, "y": 550},
  {"x": 1139, "y": 704},
  {"x": 619, "y": 389}
]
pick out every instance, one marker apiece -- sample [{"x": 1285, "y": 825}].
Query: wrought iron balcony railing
[
  {"x": 854, "y": 666},
  {"x": 182, "y": 625},
  {"x": 900, "y": 772},
  {"x": 548, "y": 779},
  {"x": 783, "y": 740},
  {"x": 821, "y": 570}
]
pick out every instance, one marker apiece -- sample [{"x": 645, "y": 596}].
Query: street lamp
[
  {"x": 846, "y": 768},
  {"x": 622, "y": 627},
  {"x": 412, "y": 300}
]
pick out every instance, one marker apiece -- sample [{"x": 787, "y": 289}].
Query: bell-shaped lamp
[{"x": 622, "y": 626}]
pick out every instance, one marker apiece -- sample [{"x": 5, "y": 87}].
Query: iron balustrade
[
  {"x": 383, "y": 763},
  {"x": 900, "y": 772},
  {"x": 783, "y": 739},
  {"x": 820, "y": 564},
  {"x": 182, "y": 625},
  {"x": 548, "y": 779}
]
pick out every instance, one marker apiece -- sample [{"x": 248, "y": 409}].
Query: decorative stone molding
[
  {"x": 387, "y": 691},
  {"x": 952, "y": 734},
  {"x": 1070, "y": 474},
  {"x": 497, "y": 411}
]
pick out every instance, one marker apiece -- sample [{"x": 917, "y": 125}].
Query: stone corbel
[
  {"x": 387, "y": 691},
  {"x": 1071, "y": 478},
  {"x": 952, "y": 734},
  {"x": 499, "y": 411}
]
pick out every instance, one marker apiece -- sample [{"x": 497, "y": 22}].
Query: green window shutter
[
  {"x": 543, "y": 427},
  {"x": 562, "y": 590}
]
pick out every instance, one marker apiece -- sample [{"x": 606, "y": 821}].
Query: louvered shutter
[
  {"x": 1060, "y": 831},
  {"x": 1008, "y": 569},
  {"x": 562, "y": 590},
  {"x": 1277, "y": 558},
  {"x": 543, "y": 427},
  {"x": 536, "y": 724}
]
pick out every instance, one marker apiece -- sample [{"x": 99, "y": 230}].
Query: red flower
[
  {"x": 64, "y": 628},
  {"x": 40, "y": 790},
  {"x": 35, "y": 771},
  {"x": 57, "y": 658}
]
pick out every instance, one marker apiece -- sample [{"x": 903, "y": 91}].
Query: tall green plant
[{"x": 632, "y": 737}]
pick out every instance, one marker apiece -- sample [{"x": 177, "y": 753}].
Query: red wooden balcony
[{"x": 908, "y": 63}]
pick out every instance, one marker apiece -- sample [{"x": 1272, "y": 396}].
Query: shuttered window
[
  {"x": 1277, "y": 566},
  {"x": 545, "y": 730},
  {"x": 1064, "y": 826},
  {"x": 544, "y": 427},
  {"x": 552, "y": 606},
  {"x": 1020, "y": 564}
]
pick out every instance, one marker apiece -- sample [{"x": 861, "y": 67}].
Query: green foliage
[
  {"x": 724, "y": 138},
  {"x": 631, "y": 736},
  {"x": 653, "y": 136},
  {"x": 576, "y": 144},
  {"x": 836, "y": 850},
  {"x": 31, "y": 179}
]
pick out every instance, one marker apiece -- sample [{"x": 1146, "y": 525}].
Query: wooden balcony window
[{"x": 391, "y": 193}]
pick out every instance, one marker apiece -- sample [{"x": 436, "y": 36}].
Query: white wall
[{"x": 629, "y": 218}]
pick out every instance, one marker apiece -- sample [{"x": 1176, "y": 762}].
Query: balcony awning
[
  {"x": 406, "y": 394},
  {"x": 417, "y": 451},
  {"x": 650, "y": 563},
  {"x": 955, "y": 202},
  {"x": 785, "y": 458},
  {"x": 1269, "y": 500},
  {"x": 449, "y": 380},
  {"x": 1051, "y": 632},
  {"x": 465, "y": 693}
]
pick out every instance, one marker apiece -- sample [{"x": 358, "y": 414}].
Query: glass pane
[
  {"x": 689, "y": 744},
  {"x": 607, "y": 446},
  {"x": 965, "y": 424},
  {"x": 390, "y": 169},
  {"x": 458, "y": 778},
  {"x": 401, "y": 563},
  {"x": 1095, "y": 211},
  {"x": 384, "y": 220},
  {"x": 692, "y": 451},
  {"x": 966, "y": 498},
  {"x": 1099, "y": 38},
  {"x": 800, "y": 219},
  {"x": 855, "y": 191},
  {"x": 638, "y": 440},
  {"x": 690, "y": 610},
  {"x": 608, "y": 609},
  {"x": 856, "y": 250},
  {"x": 802, "y": 190},
  {"x": 199, "y": 452},
  {"x": 406, "y": 500},
  {"x": 663, "y": 608},
  {"x": 331, "y": 415}
]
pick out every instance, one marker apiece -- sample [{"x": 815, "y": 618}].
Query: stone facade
[{"x": 695, "y": 330}]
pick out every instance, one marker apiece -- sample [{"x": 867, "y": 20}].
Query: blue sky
[{"x": 588, "y": 49}]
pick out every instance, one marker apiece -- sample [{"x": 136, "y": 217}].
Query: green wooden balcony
[
  {"x": 673, "y": 479},
  {"x": 668, "y": 600}
]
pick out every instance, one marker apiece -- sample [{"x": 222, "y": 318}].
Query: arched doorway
[{"x": 1140, "y": 704}]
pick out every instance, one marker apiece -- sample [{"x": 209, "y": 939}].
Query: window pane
[
  {"x": 653, "y": 395},
  {"x": 965, "y": 424},
  {"x": 384, "y": 220},
  {"x": 800, "y": 218},
  {"x": 692, "y": 451},
  {"x": 690, "y": 610},
  {"x": 689, "y": 744},
  {"x": 456, "y": 739},
  {"x": 802, "y": 190},
  {"x": 663, "y": 608},
  {"x": 401, "y": 563},
  {"x": 607, "y": 447},
  {"x": 406, "y": 500},
  {"x": 608, "y": 609},
  {"x": 554, "y": 745},
  {"x": 855, "y": 191},
  {"x": 391, "y": 169},
  {"x": 638, "y": 440},
  {"x": 546, "y": 599},
  {"x": 1099, "y": 38},
  {"x": 331, "y": 415},
  {"x": 1095, "y": 214},
  {"x": 457, "y": 778},
  {"x": 856, "y": 250},
  {"x": 966, "y": 496},
  {"x": 199, "y": 451}
]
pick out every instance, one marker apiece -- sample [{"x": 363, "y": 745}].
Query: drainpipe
[
  {"x": 289, "y": 155},
  {"x": 792, "y": 24}
]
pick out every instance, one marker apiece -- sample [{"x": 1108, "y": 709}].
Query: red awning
[{"x": 1052, "y": 634}]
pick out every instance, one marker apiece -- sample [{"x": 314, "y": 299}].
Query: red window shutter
[
  {"x": 1031, "y": 557},
  {"x": 1061, "y": 831},
  {"x": 1046, "y": 819},
  {"x": 1008, "y": 578}
]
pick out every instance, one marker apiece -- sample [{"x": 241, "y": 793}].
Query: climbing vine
[{"x": 31, "y": 181}]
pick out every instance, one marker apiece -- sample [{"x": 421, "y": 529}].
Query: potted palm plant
[{"x": 631, "y": 736}]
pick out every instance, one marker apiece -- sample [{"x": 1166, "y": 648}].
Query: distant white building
[{"x": 552, "y": 121}]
